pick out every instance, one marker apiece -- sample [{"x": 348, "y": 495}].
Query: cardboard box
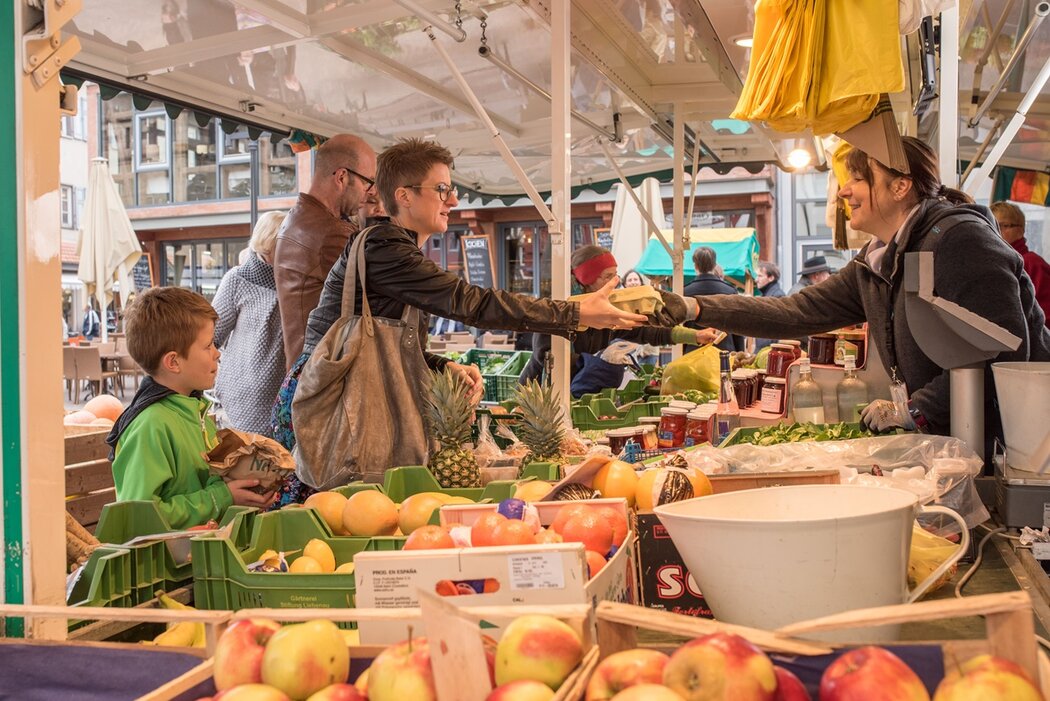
[
  {"x": 544, "y": 575},
  {"x": 664, "y": 581}
]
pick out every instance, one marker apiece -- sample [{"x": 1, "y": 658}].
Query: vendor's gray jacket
[{"x": 973, "y": 267}]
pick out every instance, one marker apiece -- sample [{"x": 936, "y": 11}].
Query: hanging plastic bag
[
  {"x": 695, "y": 370},
  {"x": 928, "y": 552}
]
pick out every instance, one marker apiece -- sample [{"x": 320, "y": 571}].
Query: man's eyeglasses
[
  {"x": 441, "y": 189},
  {"x": 369, "y": 182}
]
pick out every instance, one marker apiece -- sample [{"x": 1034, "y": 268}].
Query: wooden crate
[
  {"x": 1009, "y": 629},
  {"x": 89, "y": 474}
]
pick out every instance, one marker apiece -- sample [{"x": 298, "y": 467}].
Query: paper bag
[{"x": 243, "y": 456}]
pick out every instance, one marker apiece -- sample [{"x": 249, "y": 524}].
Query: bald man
[{"x": 316, "y": 231}]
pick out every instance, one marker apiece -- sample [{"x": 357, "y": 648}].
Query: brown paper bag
[{"x": 242, "y": 455}]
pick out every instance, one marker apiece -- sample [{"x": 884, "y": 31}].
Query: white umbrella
[
  {"x": 108, "y": 246},
  {"x": 630, "y": 231}
]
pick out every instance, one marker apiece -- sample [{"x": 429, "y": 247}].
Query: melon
[
  {"x": 106, "y": 423},
  {"x": 105, "y": 406},
  {"x": 81, "y": 418}
]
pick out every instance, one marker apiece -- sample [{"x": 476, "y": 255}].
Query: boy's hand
[{"x": 242, "y": 493}]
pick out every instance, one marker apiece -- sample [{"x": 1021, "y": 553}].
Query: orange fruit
[
  {"x": 329, "y": 506},
  {"x": 595, "y": 562},
  {"x": 548, "y": 536},
  {"x": 429, "y": 538},
  {"x": 304, "y": 564},
  {"x": 617, "y": 479},
  {"x": 482, "y": 530},
  {"x": 591, "y": 529},
  {"x": 370, "y": 513},
  {"x": 567, "y": 512},
  {"x": 513, "y": 532},
  {"x": 618, "y": 522}
]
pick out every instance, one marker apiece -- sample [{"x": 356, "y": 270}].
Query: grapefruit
[
  {"x": 429, "y": 538},
  {"x": 329, "y": 506},
  {"x": 370, "y": 513}
]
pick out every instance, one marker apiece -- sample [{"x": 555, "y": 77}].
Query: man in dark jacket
[
  {"x": 316, "y": 231},
  {"x": 814, "y": 270},
  {"x": 768, "y": 279},
  {"x": 708, "y": 282}
]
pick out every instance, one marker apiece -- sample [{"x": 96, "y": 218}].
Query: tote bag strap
[{"x": 355, "y": 265}]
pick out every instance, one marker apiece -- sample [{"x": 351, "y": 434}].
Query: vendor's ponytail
[{"x": 953, "y": 196}]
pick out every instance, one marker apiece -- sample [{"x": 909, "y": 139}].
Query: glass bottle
[
  {"x": 851, "y": 392},
  {"x": 807, "y": 401},
  {"x": 727, "y": 411}
]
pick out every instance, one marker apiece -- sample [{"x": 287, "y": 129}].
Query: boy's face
[{"x": 198, "y": 367}]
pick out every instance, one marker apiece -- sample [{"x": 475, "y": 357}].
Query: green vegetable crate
[
  {"x": 105, "y": 581},
  {"x": 795, "y": 433},
  {"x": 399, "y": 483},
  {"x": 500, "y": 385},
  {"x": 602, "y": 414},
  {"x": 221, "y": 580}
]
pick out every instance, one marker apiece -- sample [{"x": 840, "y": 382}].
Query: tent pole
[
  {"x": 561, "y": 187},
  {"x": 677, "y": 257},
  {"x": 653, "y": 228},
  {"x": 692, "y": 192},
  {"x": 948, "y": 128}
]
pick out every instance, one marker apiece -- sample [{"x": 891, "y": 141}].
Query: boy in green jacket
[{"x": 159, "y": 442}]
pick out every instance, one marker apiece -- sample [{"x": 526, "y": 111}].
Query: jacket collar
[
  {"x": 1020, "y": 245},
  {"x": 149, "y": 393}
]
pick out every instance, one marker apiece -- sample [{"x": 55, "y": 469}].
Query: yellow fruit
[
  {"x": 351, "y": 636},
  {"x": 329, "y": 506},
  {"x": 304, "y": 565},
  {"x": 416, "y": 511},
  {"x": 370, "y": 513},
  {"x": 441, "y": 496},
  {"x": 533, "y": 490},
  {"x": 701, "y": 485},
  {"x": 319, "y": 551},
  {"x": 662, "y": 486},
  {"x": 345, "y": 568},
  {"x": 617, "y": 479},
  {"x": 268, "y": 555},
  {"x": 460, "y": 500}
]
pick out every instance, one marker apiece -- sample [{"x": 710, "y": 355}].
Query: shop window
[
  {"x": 195, "y": 160},
  {"x": 74, "y": 126},
  {"x": 278, "y": 166},
  {"x": 118, "y": 144},
  {"x": 200, "y": 265}
]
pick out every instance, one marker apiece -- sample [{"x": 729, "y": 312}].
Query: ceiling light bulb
[
  {"x": 799, "y": 158},
  {"x": 744, "y": 40}
]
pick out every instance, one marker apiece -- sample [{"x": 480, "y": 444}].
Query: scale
[{"x": 957, "y": 339}]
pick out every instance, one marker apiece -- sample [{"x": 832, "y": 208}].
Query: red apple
[
  {"x": 789, "y": 687},
  {"x": 521, "y": 690},
  {"x": 625, "y": 669},
  {"x": 987, "y": 678},
  {"x": 338, "y": 692},
  {"x": 647, "y": 692},
  {"x": 402, "y": 672},
  {"x": 718, "y": 667},
  {"x": 239, "y": 652},
  {"x": 871, "y": 674},
  {"x": 537, "y": 647},
  {"x": 252, "y": 692}
]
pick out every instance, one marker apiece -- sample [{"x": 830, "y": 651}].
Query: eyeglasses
[
  {"x": 369, "y": 182},
  {"x": 441, "y": 189}
]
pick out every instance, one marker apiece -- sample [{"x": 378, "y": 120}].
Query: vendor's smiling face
[{"x": 857, "y": 193}]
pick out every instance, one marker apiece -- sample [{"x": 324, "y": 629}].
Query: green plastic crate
[
  {"x": 495, "y": 360},
  {"x": 587, "y": 418},
  {"x": 499, "y": 387},
  {"x": 105, "y": 581},
  {"x": 399, "y": 483},
  {"x": 221, "y": 580}
]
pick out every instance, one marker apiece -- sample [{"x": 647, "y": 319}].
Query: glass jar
[
  {"x": 741, "y": 387},
  {"x": 618, "y": 437},
  {"x": 672, "y": 427},
  {"x": 796, "y": 346},
  {"x": 698, "y": 426},
  {"x": 682, "y": 404},
  {"x": 850, "y": 343},
  {"x": 760, "y": 381},
  {"x": 649, "y": 438},
  {"x": 779, "y": 358},
  {"x": 822, "y": 349},
  {"x": 773, "y": 394}
]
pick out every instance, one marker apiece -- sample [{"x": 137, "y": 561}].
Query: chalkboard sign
[
  {"x": 479, "y": 261},
  {"x": 603, "y": 237},
  {"x": 143, "y": 272}
]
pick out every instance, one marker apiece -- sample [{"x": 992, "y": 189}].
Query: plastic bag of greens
[{"x": 695, "y": 370}]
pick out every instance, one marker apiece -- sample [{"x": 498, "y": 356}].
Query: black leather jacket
[{"x": 397, "y": 273}]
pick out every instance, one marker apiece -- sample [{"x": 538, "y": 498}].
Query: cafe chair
[{"x": 89, "y": 369}]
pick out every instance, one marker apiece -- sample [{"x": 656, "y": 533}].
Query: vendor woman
[{"x": 973, "y": 267}]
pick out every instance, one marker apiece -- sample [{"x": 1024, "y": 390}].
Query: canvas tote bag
[{"x": 356, "y": 410}]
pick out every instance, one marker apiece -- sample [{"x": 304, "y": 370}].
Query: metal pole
[
  {"x": 486, "y": 52},
  {"x": 501, "y": 145},
  {"x": 967, "y": 405},
  {"x": 561, "y": 185},
  {"x": 692, "y": 191},
  {"x": 677, "y": 257},
  {"x": 415, "y": 8},
  {"x": 984, "y": 147},
  {"x": 646, "y": 214},
  {"x": 253, "y": 184},
  {"x": 948, "y": 131},
  {"x": 985, "y": 171},
  {"x": 1041, "y": 11}
]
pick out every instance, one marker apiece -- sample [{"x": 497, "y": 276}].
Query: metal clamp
[{"x": 43, "y": 53}]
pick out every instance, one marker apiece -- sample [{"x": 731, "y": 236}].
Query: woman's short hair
[
  {"x": 705, "y": 260},
  {"x": 925, "y": 173},
  {"x": 1008, "y": 212},
  {"x": 406, "y": 163},
  {"x": 264, "y": 236}
]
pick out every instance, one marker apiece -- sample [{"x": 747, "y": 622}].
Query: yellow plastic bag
[
  {"x": 928, "y": 552},
  {"x": 695, "y": 370}
]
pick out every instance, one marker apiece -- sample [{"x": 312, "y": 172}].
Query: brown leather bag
[{"x": 357, "y": 410}]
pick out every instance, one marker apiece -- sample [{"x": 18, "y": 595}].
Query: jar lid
[
  {"x": 761, "y": 371},
  {"x": 781, "y": 345},
  {"x": 602, "y": 441},
  {"x": 681, "y": 404},
  {"x": 652, "y": 420},
  {"x": 621, "y": 432},
  {"x": 775, "y": 380},
  {"x": 851, "y": 334},
  {"x": 705, "y": 412},
  {"x": 648, "y": 427},
  {"x": 790, "y": 342},
  {"x": 739, "y": 374},
  {"x": 674, "y": 411}
]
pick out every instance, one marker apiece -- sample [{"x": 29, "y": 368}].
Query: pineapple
[
  {"x": 448, "y": 416},
  {"x": 542, "y": 426}
]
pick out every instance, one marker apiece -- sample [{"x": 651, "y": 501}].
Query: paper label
[
  {"x": 1046, "y": 514},
  {"x": 1041, "y": 551},
  {"x": 536, "y": 571}
]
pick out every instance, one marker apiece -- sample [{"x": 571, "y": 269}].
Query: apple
[
  {"x": 362, "y": 683},
  {"x": 647, "y": 692},
  {"x": 402, "y": 672},
  {"x": 625, "y": 669},
  {"x": 522, "y": 690},
  {"x": 338, "y": 692},
  {"x": 304, "y": 658},
  {"x": 252, "y": 692},
  {"x": 789, "y": 686},
  {"x": 871, "y": 673},
  {"x": 721, "y": 666},
  {"x": 537, "y": 647},
  {"x": 987, "y": 678},
  {"x": 239, "y": 652}
]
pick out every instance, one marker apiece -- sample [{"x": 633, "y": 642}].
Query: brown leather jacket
[{"x": 309, "y": 243}]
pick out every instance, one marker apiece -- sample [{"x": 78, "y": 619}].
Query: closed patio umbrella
[
  {"x": 630, "y": 232},
  {"x": 108, "y": 247}
]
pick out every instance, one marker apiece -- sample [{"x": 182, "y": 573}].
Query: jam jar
[
  {"x": 672, "y": 427},
  {"x": 780, "y": 357}
]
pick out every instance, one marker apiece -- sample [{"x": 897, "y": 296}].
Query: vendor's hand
[
  {"x": 677, "y": 310},
  {"x": 242, "y": 493},
  {"x": 471, "y": 376},
  {"x": 596, "y": 312},
  {"x": 706, "y": 336},
  {"x": 880, "y": 416}
]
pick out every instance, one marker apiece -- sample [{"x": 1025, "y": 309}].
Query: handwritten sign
[
  {"x": 603, "y": 237},
  {"x": 479, "y": 261},
  {"x": 143, "y": 273}
]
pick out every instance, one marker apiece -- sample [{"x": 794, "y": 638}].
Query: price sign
[{"x": 479, "y": 261}]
